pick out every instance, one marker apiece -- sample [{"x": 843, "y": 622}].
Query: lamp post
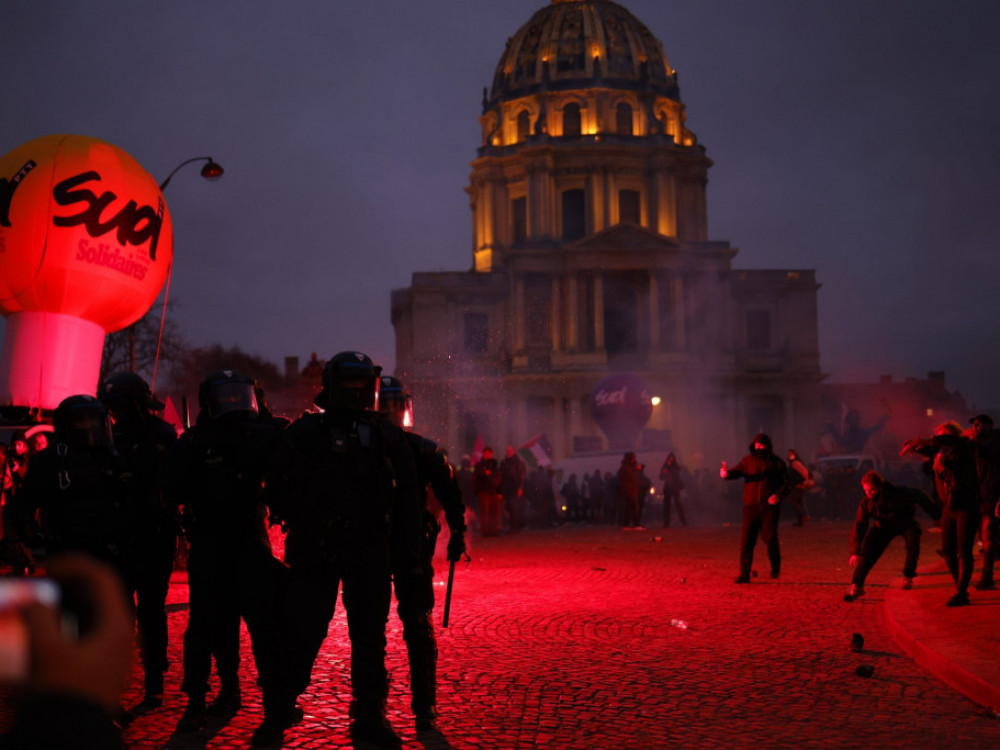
[{"x": 212, "y": 171}]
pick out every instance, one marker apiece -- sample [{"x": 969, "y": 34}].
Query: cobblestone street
[{"x": 564, "y": 639}]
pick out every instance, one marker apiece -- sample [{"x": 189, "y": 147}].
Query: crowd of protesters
[{"x": 116, "y": 484}]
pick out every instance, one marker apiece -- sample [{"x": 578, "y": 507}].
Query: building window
[
  {"x": 571, "y": 119},
  {"x": 758, "y": 329},
  {"x": 477, "y": 333},
  {"x": 621, "y": 313},
  {"x": 519, "y": 209},
  {"x": 523, "y": 126},
  {"x": 573, "y": 215},
  {"x": 628, "y": 207},
  {"x": 623, "y": 119}
]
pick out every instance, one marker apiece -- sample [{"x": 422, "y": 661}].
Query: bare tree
[
  {"x": 186, "y": 373},
  {"x": 134, "y": 349}
]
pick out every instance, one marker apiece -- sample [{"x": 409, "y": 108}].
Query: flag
[
  {"x": 171, "y": 416},
  {"x": 540, "y": 449}
]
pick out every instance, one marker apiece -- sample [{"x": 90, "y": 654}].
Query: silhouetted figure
[
  {"x": 673, "y": 485},
  {"x": 957, "y": 484},
  {"x": 885, "y": 512},
  {"x": 765, "y": 482},
  {"x": 629, "y": 489}
]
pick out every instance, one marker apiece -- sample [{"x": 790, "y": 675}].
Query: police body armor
[
  {"x": 80, "y": 496},
  {"x": 216, "y": 475},
  {"x": 339, "y": 510}
]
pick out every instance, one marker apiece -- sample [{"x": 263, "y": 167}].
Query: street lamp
[{"x": 211, "y": 171}]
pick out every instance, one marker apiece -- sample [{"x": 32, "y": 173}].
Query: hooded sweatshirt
[{"x": 764, "y": 474}]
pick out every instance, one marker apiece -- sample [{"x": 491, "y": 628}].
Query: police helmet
[
  {"x": 395, "y": 402},
  {"x": 229, "y": 392},
  {"x": 350, "y": 381},
  {"x": 82, "y": 421},
  {"x": 125, "y": 389}
]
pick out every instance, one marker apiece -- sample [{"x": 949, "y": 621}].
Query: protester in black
[
  {"x": 987, "y": 441},
  {"x": 765, "y": 483},
  {"x": 957, "y": 484},
  {"x": 885, "y": 512},
  {"x": 673, "y": 485}
]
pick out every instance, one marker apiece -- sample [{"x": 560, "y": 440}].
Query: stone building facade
[{"x": 591, "y": 256}]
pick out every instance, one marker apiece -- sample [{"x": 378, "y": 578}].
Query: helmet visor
[
  {"x": 90, "y": 428},
  {"x": 228, "y": 398}
]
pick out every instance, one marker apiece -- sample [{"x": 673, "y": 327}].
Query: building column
[
  {"x": 666, "y": 211},
  {"x": 599, "y": 218},
  {"x": 679, "y": 305},
  {"x": 555, "y": 320},
  {"x": 598, "y": 312},
  {"x": 519, "y": 334},
  {"x": 654, "y": 312},
  {"x": 575, "y": 424},
  {"x": 572, "y": 325}
]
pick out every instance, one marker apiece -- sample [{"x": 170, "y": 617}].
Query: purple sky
[{"x": 856, "y": 138}]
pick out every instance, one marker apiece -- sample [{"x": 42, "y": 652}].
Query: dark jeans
[
  {"x": 675, "y": 499},
  {"x": 876, "y": 541},
  {"x": 760, "y": 521},
  {"x": 490, "y": 513},
  {"x": 989, "y": 533},
  {"x": 958, "y": 536}
]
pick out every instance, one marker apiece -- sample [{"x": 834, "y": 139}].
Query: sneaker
[
  {"x": 961, "y": 599},
  {"x": 854, "y": 592},
  {"x": 742, "y": 578},
  {"x": 226, "y": 703},
  {"x": 375, "y": 731},
  {"x": 193, "y": 717},
  {"x": 775, "y": 573},
  {"x": 907, "y": 583},
  {"x": 985, "y": 585}
]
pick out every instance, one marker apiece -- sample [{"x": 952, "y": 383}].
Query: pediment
[{"x": 625, "y": 238}]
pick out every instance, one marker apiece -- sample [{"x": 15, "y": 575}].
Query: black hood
[{"x": 762, "y": 438}]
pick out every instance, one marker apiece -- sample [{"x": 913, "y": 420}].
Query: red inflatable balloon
[
  {"x": 621, "y": 407},
  {"x": 85, "y": 246}
]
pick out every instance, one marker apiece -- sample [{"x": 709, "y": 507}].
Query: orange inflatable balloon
[{"x": 85, "y": 246}]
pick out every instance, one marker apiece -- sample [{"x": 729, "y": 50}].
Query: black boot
[
  {"x": 375, "y": 730},
  {"x": 193, "y": 717},
  {"x": 227, "y": 702}
]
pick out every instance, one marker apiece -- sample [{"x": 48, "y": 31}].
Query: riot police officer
[
  {"x": 414, "y": 584},
  {"x": 214, "y": 473},
  {"x": 75, "y": 487},
  {"x": 141, "y": 440},
  {"x": 344, "y": 478}
]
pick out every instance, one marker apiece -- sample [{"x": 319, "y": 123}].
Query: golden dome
[{"x": 575, "y": 44}]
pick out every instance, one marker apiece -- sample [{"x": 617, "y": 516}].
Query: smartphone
[{"x": 14, "y": 638}]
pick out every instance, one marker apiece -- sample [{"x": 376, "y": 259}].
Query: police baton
[{"x": 451, "y": 583}]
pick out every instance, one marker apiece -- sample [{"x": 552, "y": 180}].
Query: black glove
[{"x": 456, "y": 546}]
